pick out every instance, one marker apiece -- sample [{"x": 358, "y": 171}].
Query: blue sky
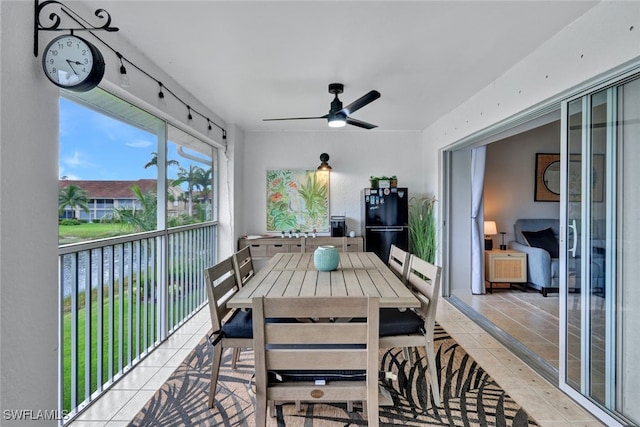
[
  {"x": 94, "y": 146},
  {"x": 97, "y": 147}
]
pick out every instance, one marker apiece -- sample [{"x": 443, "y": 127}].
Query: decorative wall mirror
[{"x": 547, "y": 184}]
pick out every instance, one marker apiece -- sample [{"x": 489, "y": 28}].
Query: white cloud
[
  {"x": 76, "y": 161},
  {"x": 138, "y": 143}
]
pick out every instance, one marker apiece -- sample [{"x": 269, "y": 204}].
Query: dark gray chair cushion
[
  {"x": 396, "y": 322},
  {"x": 240, "y": 325},
  {"x": 275, "y": 377}
]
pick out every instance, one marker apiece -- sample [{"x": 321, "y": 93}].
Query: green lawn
[
  {"x": 83, "y": 232},
  {"x": 93, "y": 231},
  {"x": 81, "y": 329}
]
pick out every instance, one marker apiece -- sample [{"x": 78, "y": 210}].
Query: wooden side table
[{"x": 508, "y": 266}]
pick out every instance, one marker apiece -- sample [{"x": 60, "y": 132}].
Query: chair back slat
[
  {"x": 221, "y": 285},
  {"x": 399, "y": 262},
  {"x": 296, "y": 307},
  {"x": 424, "y": 279},
  {"x": 323, "y": 333},
  {"x": 319, "y": 359},
  {"x": 243, "y": 264}
]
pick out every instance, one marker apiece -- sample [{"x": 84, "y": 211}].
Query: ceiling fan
[{"x": 338, "y": 116}]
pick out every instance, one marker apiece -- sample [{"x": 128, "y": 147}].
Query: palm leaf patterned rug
[{"x": 470, "y": 396}]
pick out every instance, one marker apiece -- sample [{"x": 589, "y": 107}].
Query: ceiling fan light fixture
[
  {"x": 337, "y": 120},
  {"x": 339, "y": 116}
]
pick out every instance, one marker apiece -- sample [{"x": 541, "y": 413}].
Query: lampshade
[
  {"x": 324, "y": 166},
  {"x": 490, "y": 228}
]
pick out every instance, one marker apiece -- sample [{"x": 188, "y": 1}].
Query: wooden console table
[{"x": 266, "y": 247}]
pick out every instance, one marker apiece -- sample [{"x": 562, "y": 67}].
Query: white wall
[
  {"x": 599, "y": 41},
  {"x": 28, "y": 200},
  {"x": 354, "y": 157},
  {"x": 510, "y": 178},
  {"x": 28, "y": 220}
]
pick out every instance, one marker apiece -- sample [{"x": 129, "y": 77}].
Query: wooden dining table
[{"x": 358, "y": 274}]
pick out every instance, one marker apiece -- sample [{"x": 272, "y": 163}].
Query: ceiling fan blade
[
  {"x": 360, "y": 123},
  {"x": 297, "y": 118},
  {"x": 361, "y": 102}
]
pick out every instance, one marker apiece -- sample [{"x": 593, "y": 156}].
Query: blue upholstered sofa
[{"x": 543, "y": 270}]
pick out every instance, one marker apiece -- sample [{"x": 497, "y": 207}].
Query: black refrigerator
[{"x": 385, "y": 220}]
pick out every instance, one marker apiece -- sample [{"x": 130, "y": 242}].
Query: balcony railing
[{"x": 120, "y": 298}]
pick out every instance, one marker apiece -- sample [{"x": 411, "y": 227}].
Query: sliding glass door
[{"x": 600, "y": 301}]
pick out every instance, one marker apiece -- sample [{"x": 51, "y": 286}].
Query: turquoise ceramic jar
[{"x": 326, "y": 258}]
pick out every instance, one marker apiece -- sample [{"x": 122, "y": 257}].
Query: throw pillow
[{"x": 544, "y": 239}]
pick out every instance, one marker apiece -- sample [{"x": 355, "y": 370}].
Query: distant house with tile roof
[{"x": 105, "y": 196}]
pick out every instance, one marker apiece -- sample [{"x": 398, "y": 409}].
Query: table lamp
[{"x": 490, "y": 229}]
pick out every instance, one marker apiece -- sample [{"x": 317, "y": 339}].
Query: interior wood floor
[
  {"x": 528, "y": 317},
  {"x": 533, "y": 320}
]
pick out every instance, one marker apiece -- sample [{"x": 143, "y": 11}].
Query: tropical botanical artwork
[{"x": 297, "y": 200}]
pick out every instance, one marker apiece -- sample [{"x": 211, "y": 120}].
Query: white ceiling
[{"x": 266, "y": 59}]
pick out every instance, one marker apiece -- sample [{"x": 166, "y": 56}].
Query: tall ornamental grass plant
[{"x": 423, "y": 228}]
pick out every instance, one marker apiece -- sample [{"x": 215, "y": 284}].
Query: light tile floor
[
  {"x": 120, "y": 404},
  {"x": 544, "y": 402}
]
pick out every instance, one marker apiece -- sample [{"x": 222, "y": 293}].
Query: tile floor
[{"x": 548, "y": 405}]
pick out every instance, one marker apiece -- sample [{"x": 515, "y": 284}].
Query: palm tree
[
  {"x": 74, "y": 197},
  {"x": 154, "y": 161},
  {"x": 143, "y": 219},
  {"x": 191, "y": 177},
  {"x": 204, "y": 182}
]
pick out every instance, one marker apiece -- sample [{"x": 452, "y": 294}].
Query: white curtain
[{"x": 478, "y": 156}]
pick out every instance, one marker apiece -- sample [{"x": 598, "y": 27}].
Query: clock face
[{"x": 73, "y": 63}]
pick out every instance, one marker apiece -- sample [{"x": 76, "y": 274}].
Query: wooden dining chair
[
  {"x": 415, "y": 328},
  {"x": 231, "y": 328},
  {"x": 316, "y": 362},
  {"x": 243, "y": 265},
  {"x": 399, "y": 262},
  {"x": 312, "y": 243}
]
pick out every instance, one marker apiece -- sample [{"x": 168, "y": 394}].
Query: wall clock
[{"x": 73, "y": 63}]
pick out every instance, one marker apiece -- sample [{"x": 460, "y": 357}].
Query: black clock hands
[
  {"x": 80, "y": 68},
  {"x": 71, "y": 66}
]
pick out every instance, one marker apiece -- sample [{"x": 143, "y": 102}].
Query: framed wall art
[
  {"x": 547, "y": 184},
  {"x": 297, "y": 200}
]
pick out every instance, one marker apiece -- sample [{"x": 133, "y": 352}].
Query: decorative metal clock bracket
[{"x": 54, "y": 20}]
